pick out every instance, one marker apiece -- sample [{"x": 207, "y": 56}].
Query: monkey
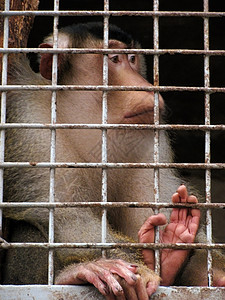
[{"x": 122, "y": 274}]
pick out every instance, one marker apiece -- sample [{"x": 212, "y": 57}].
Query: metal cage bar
[
  {"x": 114, "y": 13},
  {"x": 53, "y": 144},
  {"x": 104, "y": 121},
  {"x": 3, "y": 105},
  {"x": 156, "y": 122},
  {"x": 207, "y": 145},
  {"x": 52, "y": 165}
]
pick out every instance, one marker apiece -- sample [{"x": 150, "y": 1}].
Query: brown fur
[{"x": 32, "y": 184}]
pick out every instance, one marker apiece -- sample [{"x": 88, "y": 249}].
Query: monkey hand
[
  {"x": 114, "y": 278},
  {"x": 182, "y": 228}
]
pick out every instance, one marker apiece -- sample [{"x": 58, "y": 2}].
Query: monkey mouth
[{"x": 144, "y": 116}]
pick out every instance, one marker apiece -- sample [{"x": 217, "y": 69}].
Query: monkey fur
[{"x": 29, "y": 266}]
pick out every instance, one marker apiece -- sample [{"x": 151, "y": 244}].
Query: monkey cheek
[{"x": 140, "y": 118}]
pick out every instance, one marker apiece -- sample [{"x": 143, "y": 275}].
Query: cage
[{"x": 184, "y": 46}]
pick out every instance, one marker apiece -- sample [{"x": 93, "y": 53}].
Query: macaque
[{"x": 122, "y": 274}]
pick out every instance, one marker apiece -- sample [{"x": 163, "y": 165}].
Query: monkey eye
[
  {"x": 132, "y": 58},
  {"x": 114, "y": 58}
]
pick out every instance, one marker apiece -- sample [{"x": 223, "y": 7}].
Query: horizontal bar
[
  {"x": 111, "y": 51},
  {"x": 114, "y": 13},
  {"x": 49, "y": 292},
  {"x": 90, "y": 165},
  {"x": 112, "y": 126},
  {"x": 110, "y": 205},
  {"x": 6, "y": 245},
  {"x": 110, "y": 88}
]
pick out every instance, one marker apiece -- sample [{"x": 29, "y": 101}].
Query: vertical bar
[
  {"x": 3, "y": 104},
  {"x": 207, "y": 145},
  {"x": 53, "y": 145},
  {"x": 104, "y": 121},
  {"x": 156, "y": 122}
]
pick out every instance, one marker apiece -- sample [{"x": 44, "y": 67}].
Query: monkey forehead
[
  {"x": 64, "y": 40},
  {"x": 114, "y": 44},
  {"x": 97, "y": 43}
]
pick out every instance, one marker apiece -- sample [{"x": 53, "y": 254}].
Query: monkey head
[{"x": 124, "y": 107}]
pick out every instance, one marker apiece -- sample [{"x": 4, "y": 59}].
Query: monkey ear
[{"x": 46, "y": 62}]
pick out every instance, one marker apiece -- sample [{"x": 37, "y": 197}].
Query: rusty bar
[
  {"x": 115, "y": 13},
  {"x": 207, "y": 145},
  {"x": 113, "y": 126},
  {"x": 113, "y": 51},
  {"x": 3, "y": 104},
  {"x": 202, "y": 166},
  {"x": 104, "y": 121},
  {"x": 110, "y": 88},
  {"x": 152, "y": 205},
  {"x": 156, "y": 122},
  {"x": 53, "y": 144},
  {"x": 154, "y": 246}
]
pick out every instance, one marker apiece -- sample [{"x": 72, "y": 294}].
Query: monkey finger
[
  {"x": 113, "y": 284},
  {"x": 101, "y": 277},
  {"x": 109, "y": 262},
  {"x": 192, "y": 199},
  {"x": 182, "y": 192},
  {"x": 176, "y": 198},
  {"x": 129, "y": 291},
  {"x": 131, "y": 267},
  {"x": 120, "y": 268},
  {"x": 91, "y": 277},
  {"x": 157, "y": 220},
  {"x": 111, "y": 297},
  {"x": 152, "y": 287},
  {"x": 123, "y": 272},
  {"x": 141, "y": 289},
  {"x": 149, "y": 224}
]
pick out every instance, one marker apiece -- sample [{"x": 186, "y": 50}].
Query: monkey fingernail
[
  {"x": 134, "y": 277},
  {"x": 106, "y": 290},
  {"x": 119, "y": 289}
]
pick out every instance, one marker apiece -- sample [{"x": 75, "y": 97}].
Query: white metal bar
[
  {"x": 112, "y": 88},
  {"x": 115, "y": 13},
  {"x": 104, "y": 121},
  {"x": 147, "y": 51},
  {"x": 207, "y": 145},
  {"x": 117, "y": 51},
  {"x": 110, "y": 204},
  {"x": 12, "y": 292},
  {"x": 53, "y": 144},
  {"x": 6, "y": 245},
  {"x": 114, "y": 126},
  {"x": 203, "y": 166},
  {"x": 3, "y": 105},
  {"x": 156, "y": 122}
]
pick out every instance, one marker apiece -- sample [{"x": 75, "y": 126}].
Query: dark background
[{"x": 175, "y": 70}]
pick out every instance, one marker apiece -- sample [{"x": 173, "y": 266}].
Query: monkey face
[
  {"x": 124, "y": 107},
  {"x": 132, "y": 107}
]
